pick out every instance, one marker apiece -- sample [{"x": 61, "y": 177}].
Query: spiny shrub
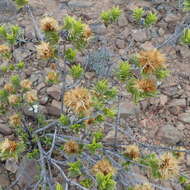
[{"x": 77, "y": 133}]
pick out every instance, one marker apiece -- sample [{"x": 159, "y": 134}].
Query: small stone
[
  {"x": 5, "y": 129},
  {"x": 163, "y": 99},
  {"x": 11, "y": 165},
  {"x": 43, "y": 100},
  {"x": 34, "y": 110},
  {"x": 54, "y": 91},
  {"x": 169, "y": 134},
  {"x": 54, "y": 109},
  {"x": 28, "y": 171},
  {"x": 4, "y": 180},
  {"x": 177, "y": 102},
  {"x": 128, "y": 108},
  {"x": 184, "y": 51},
  {"x": 172, "y": 18},
  {"x": 80, "y": 3},
  {"x": 161, "y": 31},
  {"x": 20, "y": 54},
  {"x": 184, "y": 117},
  {"x": 147, "y": 46},
  {"x": 40, "y": 86},
  {"x": 125, "y": 33},
  {"x": 98, "y": 28},
  {"x": 122, "y": 21},
  {"x": 139, "y": 35},
  {"x": 180, "y": 126},
  {"x": 120, "y": 44}
]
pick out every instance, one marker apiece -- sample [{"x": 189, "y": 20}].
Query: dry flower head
[
  {"x": 103, "y": 166},
  {"x": 151, "y": 60},
  {"x": 132, "y": 151},
  {"x": 71, "y": 147},
  {"x": 8, "y": 145},
  {"x": 4, "y": 48},
  {"x": 168, "y": 166},
  {"x": 27, "y": 84},
  {"x": 52, "y": 76},
  {"x": 13, "y": 99},
  {"x": 15, "y": 120},
  {"x": 9, "y": 87},
  {"x": 78, "y": 99},
  {"x": 145, "y": 85},
  {"x": 44, "y": 50},
  {"x": 31, "y": 96},
  {"x": 49, "y": 24}
]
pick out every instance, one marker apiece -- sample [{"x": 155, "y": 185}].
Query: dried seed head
[
  {"x": 151, "y": 60},
  {"x": 103, "y": 166},
  {"x": 44, "y": 50},
  {"x": 145, "y": 186},
  {"x": 8, "y": 145},
  {"x": 9, "y": 87},
  {"x": 52, "y": 76},
  {"x": 87, "y": 32},
  {"x": 13, "y": 99},
  {"x": 49, "y": 24},
  {"x": 145, "y": 85},
  {"x": 27, "y": 84},
  {"x": 132, "y": 151},
  {"x": 78, "y": 99},
  {"x": 71, "y": 147},
  {"x": 15, "y": 120},
  {"x": 4, "y": 49},
  {"x": 168, "y": 166},
  {"x": 31, "y": 96},
  {"x": 89, "y": 121}
]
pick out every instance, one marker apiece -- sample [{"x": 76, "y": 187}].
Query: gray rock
[
  {"x": 172, "y": 18},
  {"x": 184, "y": 117},
  {"x": 128, "y": 108},
  {"x": 177, "y": 102},
  {"x": 120, "y": 44},
  {"x": 125, "y": 33},
  {"x": 7, "y": 10},
  {"x": 34, "y": 110},
  {"x": 139, "y": 35},
  {"x": 169, "y": 134},
  {"x": 80, "y": 3},
  {"x": 110, "y": 137},
  {"x": 98, "y": 28},
  {"x": 5, "y": 129},
  {"x": 20, "y": 54},
  {"x": 11, "y": 165},
  {"x": 54, "y": 109},
  {"x": 122, "y": 21},
  {"x": 54, "y": 91},
  {"x": 29, "y": 171}
]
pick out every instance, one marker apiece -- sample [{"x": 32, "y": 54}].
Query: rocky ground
[{"x": 164, "y": 120}]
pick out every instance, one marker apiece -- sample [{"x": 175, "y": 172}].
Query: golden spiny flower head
[
  {"x": 49, "y": 24},
  {"x": 31, "y": 96},
  {"x": 13, "y": 99},
  {"x": 44, "y": 50},
  {"x": 78, "y": 99},
  {"x": 15, "y": 120},
  {"x": 71, "y": 147},
  {"x": 168, "y": 166},
  {"x": 145, "y": 186},
  {"x": 9, "y": 87},
  {"x": 87, "y": 32},
  {"x": 145, "y": 85},
  {"x": 8, "y": 145},
  {"x": 26, "y": 84},
  {"x": 52, "y": 76},
  {"x": 132, "y": 151},
  {"x": 103, "y": 166},
  {"x": 4, "y": 48},
  {"x": 151, "y": 60}
]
